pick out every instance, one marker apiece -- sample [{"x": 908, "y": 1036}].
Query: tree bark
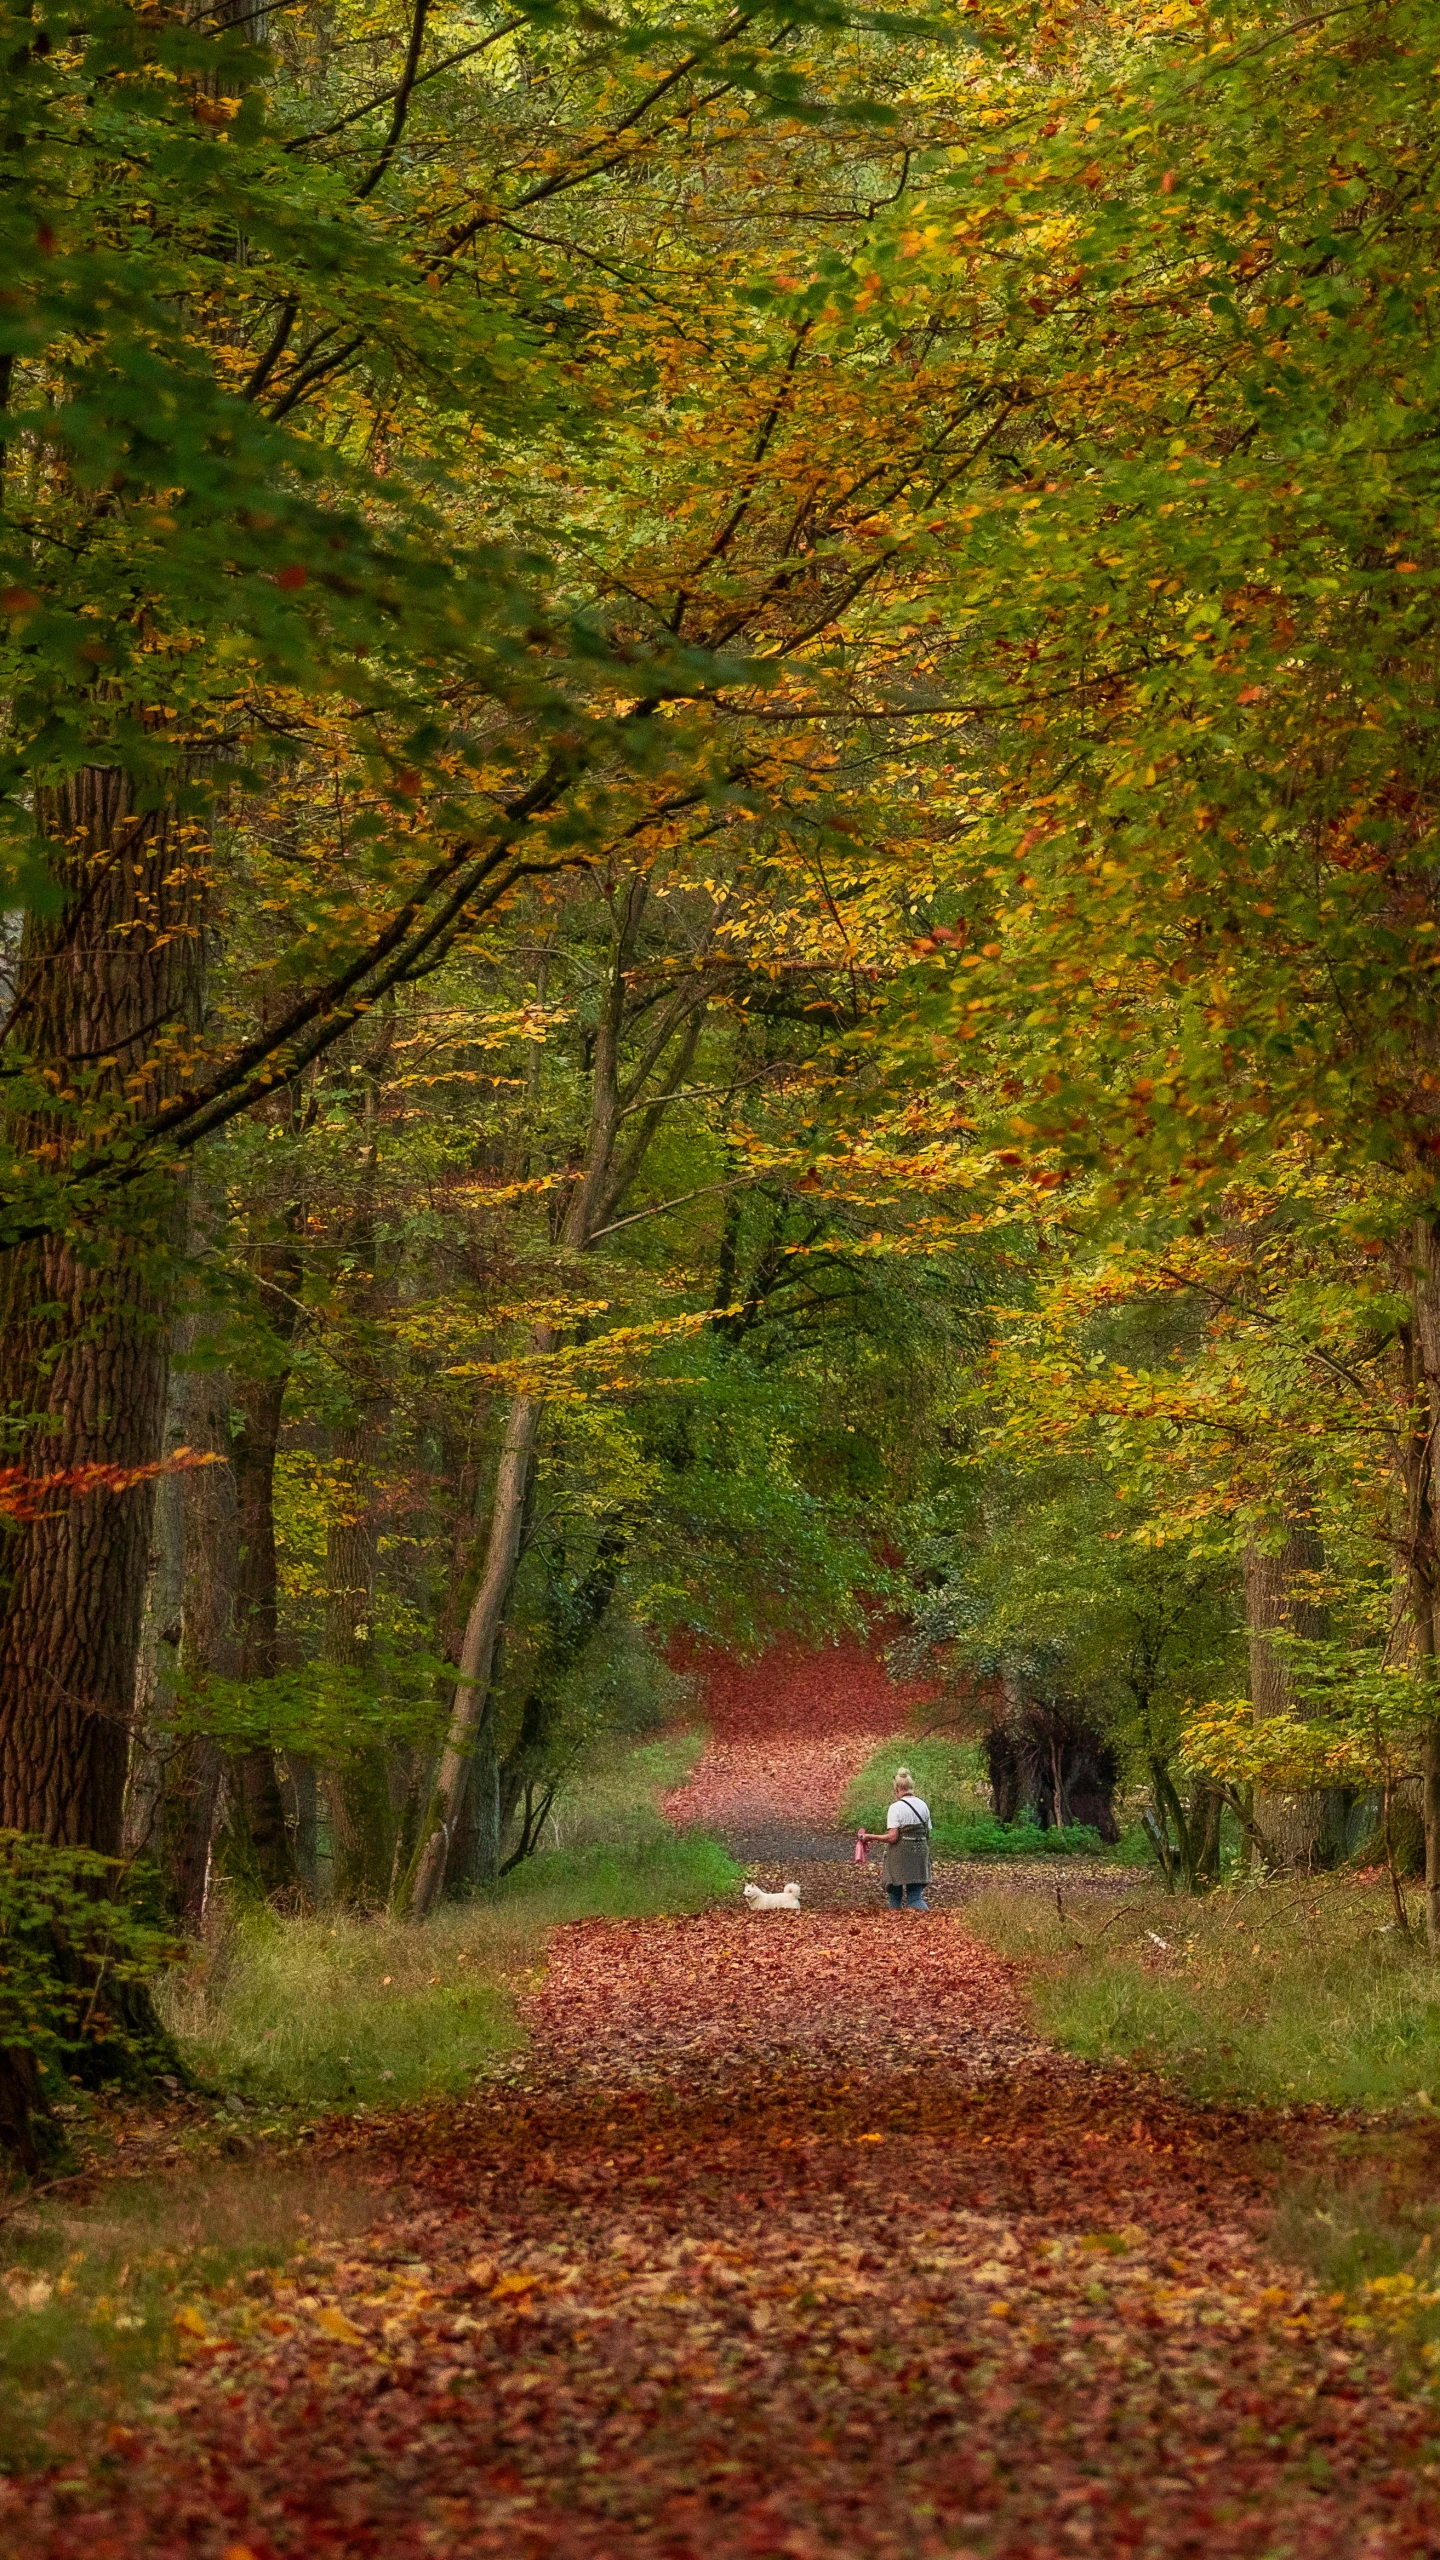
[
  {"x": 466, "y": 1741},
  {"x": 208, "y": 1644},
  {"x": 303, "y": 1781},
  {"x": 174, "y": 1777},
  {"x": 158, "y": 1677},
  {"x": 361, "y": 1814},
  {"x": 257, "y": 1411},
  {"x": 108, "y": 991}
]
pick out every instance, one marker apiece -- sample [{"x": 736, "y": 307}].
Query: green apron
[{"x": 907, "y": 1859}]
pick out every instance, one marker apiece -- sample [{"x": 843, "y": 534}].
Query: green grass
[
  {"x": 332, "y": 2011},
  {"x": 1292, "y": 1992},
  {"x": 1297, "y": 1992},
  {"x": 91, "y": 2294},
  {"x": 631, "y": 1882},
  {"x": 293, "y": 2018},
  {"x": 950, "y": 1776}
]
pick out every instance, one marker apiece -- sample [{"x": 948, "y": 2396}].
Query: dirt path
[{"x": 788, "y": 2240}]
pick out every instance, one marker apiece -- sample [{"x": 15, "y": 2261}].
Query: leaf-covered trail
[
  {"x": 787, "y": 2240},
  {"x": 785, "y": 1734}
]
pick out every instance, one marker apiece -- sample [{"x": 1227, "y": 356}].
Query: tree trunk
[
  {"x": 1203, "y": 1819},
  {"x": 258, "y": 1407},
  {"x": 470, "y": 1737},
  {"x": 613, "y": 1157},
  {"x": 153, "y": 1741},
  {"x": 207, "y": 1639},
  {"x": 361, "y": 1814},
  {"x": 174, "y": 1775},
  {"x": 1421, "y": 1342},
  {"x": 1292, "y": 1824},
  {"x": 259, "y": 1404},
  {"x": 303, "y": 1814},
  {"x": 83, "y": 1331}
]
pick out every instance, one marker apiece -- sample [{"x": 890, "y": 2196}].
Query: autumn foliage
[{"x": 787, "y": 2239}]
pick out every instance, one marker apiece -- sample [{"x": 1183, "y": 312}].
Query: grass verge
[
  {"x": 286, "y": 2020},
  {"x": 1297, "y": 1994},
  {"x": 950, "y": 1776},
  {"x": 96, "y": 2299},
  {"x": 329, "y": 2011}
]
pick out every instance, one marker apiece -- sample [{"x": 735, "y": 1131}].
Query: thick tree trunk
[
  {"x": 301, "y": 1788},
  {"x": 153, "y": 1741},
  {"x": 174, "y": 1775},
  {"x": 107, "y": 989},
  {"x": 1293, "y": 1825},
  {"x": 207, "y": 1639}
]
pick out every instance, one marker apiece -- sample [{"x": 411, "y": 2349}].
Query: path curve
[{"x": 787, "y": 2239}]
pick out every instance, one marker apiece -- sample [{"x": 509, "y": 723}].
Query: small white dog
[{"x": 789, "y": 1900}]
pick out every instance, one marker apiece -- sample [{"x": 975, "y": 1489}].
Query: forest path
[
  {"x": 786, "y": 2239},
  {"x": 785, "y": 1735}
]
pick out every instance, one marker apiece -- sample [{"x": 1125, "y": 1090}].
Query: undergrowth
[
  {"x": 94, "y": 2299},
  {"x": 332, "y": 2010},
  {"x": 949, "y": 1776},
  {"x": 1294, "y": 1993},
  {"x": 1286, "y": 1993},
  {"x": 288, "y": 2019}
]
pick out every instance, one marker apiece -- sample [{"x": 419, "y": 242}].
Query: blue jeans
[{"x": 907, "y": 1897}]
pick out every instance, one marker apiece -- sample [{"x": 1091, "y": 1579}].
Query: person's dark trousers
[{"x": 907, "y": 1897}]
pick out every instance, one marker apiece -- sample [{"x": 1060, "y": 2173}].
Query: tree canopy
[{"x": 718, "y": 815}]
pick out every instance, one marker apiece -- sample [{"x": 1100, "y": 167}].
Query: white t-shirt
[{"x": 907, "y": 1815}]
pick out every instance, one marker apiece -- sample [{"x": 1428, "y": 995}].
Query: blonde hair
[{"x": 904, "y": 1782}]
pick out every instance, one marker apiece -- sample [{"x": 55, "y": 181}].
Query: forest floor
[{"x": 785, "y": 2236}]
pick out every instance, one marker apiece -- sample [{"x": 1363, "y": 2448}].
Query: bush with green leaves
[{"x": 78, "y": 1953}]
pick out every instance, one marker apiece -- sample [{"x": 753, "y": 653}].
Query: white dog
[{"x": 789, "y": 1900}]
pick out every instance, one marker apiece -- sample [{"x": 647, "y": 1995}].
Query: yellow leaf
[{"x": 335, "y": 2325}]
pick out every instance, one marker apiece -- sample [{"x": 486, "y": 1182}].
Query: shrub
[
  {"x": 76, "y": 1963},
  {"x": 981, "y": 1835}
]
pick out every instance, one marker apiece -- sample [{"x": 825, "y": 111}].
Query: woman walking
[{"x": 906, "y": 1863}]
